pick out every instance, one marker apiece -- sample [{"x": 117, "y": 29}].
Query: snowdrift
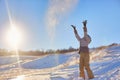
[{"x": 105, "y": 64}]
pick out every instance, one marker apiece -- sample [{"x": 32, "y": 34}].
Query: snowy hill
[
  {"x": 105, "y": 64},
  {"x": 46, "y": 62}
]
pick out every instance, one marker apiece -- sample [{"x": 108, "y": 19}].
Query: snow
[
  {"x": 46, "y": 62},
  {"x": 105, "y": 65}
]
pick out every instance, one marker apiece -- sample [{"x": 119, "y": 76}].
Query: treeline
[
  {"x": 5, "y": 52},
  {"x": 106, "y": 46}
]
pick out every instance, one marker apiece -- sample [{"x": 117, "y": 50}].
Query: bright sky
[{"x": 45, "y": 24}]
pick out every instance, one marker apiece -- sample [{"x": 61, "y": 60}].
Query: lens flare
[
  {"x": 14, "y": 37},
  {"x": 21, "y": 77}
]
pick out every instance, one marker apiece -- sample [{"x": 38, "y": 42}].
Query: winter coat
[{"x": 84, "y": 42}]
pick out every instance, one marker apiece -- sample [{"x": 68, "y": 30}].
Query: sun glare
[
  {"x": 14, "y": 36},
  {"x": 21, "y": 77}
]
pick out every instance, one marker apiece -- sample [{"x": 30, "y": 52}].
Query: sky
[{"x": 45, "y": 24}]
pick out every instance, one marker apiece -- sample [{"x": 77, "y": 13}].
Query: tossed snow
[{"x": 105, "y": 65}]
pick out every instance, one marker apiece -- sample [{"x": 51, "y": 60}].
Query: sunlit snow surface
[{"x": 104, "y": 63}]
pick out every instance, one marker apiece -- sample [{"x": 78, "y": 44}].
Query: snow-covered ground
[{"x": 104, "y": 63}]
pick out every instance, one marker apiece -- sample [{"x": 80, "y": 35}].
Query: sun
[{"x": 14, "y": 36}]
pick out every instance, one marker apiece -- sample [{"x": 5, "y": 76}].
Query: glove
[
  {"x": 75, "y": 31},
  {"x": 84, "y": 22},
  {"x": 73, "y": 27}
]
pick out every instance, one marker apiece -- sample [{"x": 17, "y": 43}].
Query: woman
[{"x": 84, "y": 51}]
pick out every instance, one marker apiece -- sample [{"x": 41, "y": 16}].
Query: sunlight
[
  {"x": 21, "y": 77},
  {"x": 14, "y": 39},
  {"x": 14, "y": 36}
]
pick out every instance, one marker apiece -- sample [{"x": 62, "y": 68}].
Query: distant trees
[
  {"x": 113, "y": 44},
  {"x": 5, "y": 52},
  {"x": 70, "y": 49},
  {"x": 107, "y": 46}
]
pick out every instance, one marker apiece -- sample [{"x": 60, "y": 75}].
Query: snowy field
[{"x": 104, "y": 63}]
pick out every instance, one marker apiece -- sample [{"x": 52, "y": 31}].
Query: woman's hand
[
  {"x": 84, "y": 23},
  {"x": 73, "y": 27}
]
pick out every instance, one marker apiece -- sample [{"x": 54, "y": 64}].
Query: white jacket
[{"x": 83, "y": 41}]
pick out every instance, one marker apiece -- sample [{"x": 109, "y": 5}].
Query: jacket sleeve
[
  {"x": 85, "y": 34},
  {"x": 76, "y": 35},
  {"x": 87, "y": 37}
]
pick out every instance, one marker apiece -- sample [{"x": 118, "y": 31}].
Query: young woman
[{"x": 84, "y": 51}]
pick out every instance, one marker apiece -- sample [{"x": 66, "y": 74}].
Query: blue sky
[{"x": 103, "y": 23}]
